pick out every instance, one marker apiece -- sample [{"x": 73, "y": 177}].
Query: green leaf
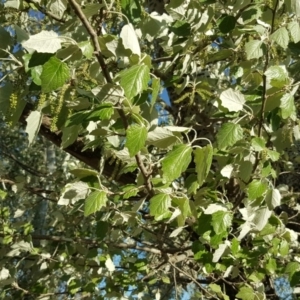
[
  {"x": 55, "y": 74},
  {"x": 102, "y": 112},
  {"x": 91, "y": 9},
  {"x": 245, "y": 170},
  {"x": 281, "y": 37},
  {"x": 258, "y": 143},
  {"x": 181, "y": 28},
  {"x": 277, "y": 75},
  {"x": 229, "y": 134},
  {"x": 256, "y": 189},
  {"x": 36, "y": 73},
  {"x": 235, "y": 246},
  {"x": 94, "y": 202},
  {"x": 2, "y": 194},
  {"x": 273, "y": 155},
  {"x": 251, "y": 13},
  {"x": 215, "y": 288},
  {"x": 184, "y": 205},
  {"x": 159, "y": 205},
  {"x": 102, "y": 229},
  {"x": 135, "y": 80},
  {"x": 69, "y": 135},
  {"x": 191, "y": 184},
  {"x": 287, "y": 105},
  {"x": 136, "y": 136},
  {"x": 284, "y": 248},
  {"x": 254, "y": 49},
  {"x": 165, "y": 279},
  {"x": 271, "y": 266},
  {"x": 87, "y": 49},
  {"x": 232, "y": 100},
  {"x": 39, "y": 59},
  {"x": 5, "y": 39},
  {"x": 176, "y": 162},
  {"x": 292, "y": 267},
  {"x": 221, "y": 220},
  {"x": 130, "y": 191},
  {"x": 227, "y": 24},
  {"x": 203, "y": 160},
  {"x": 155, "y": 90},
  {"x": 82, "y": 173},
  {"x": 45, "y": 42},
  {"x": 246, "y": 293},
  {"x": 34, "y": 121}
]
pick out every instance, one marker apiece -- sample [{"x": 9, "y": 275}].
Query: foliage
[{"x": 194, "y": 193}]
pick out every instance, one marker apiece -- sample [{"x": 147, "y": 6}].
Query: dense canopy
[{"x": 149, "y": 149}]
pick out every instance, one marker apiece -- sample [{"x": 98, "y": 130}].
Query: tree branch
[
  {"x": 45, "y": 12},
  {"x": 77, "y": 9}
]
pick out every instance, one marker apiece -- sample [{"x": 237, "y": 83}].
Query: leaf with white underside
[
  {"x": 43, "y": 42},
  {"x": 220, "y": 252},
  {"x": 176, "y": 161},
  {"x": 294, "y": 29},
  {"x": 94, "y": 202},
  {"x": 34, "y": 121},
  {"x": 273, "y": 198},
  {"x": 212, "y": 208},
  {"x": 73, "y": 192},
  {"x": 161, "y": 137},
  {"x": 110, "y": 265},
  {"x": 232, "y": 100},
  {"x": 58, "y": 7},
  {"x": 130, "y": 40},
  {"x": 261, "y": 217},
  {"x": 256, "y": 189}
]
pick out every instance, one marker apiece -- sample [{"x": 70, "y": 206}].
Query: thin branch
[
  {"x": 23, "y": 166},
  {"x": 263, "y": 106},
  {"x": 45, "y": 12},
  {"x": 193, "y": 279},
  {"x": 77, "y": 9}
]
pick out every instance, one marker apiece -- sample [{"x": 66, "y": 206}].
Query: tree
[{"x": 197, "y": 192}]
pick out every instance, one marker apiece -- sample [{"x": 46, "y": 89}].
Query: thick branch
[{"x": 89, "y": 157}]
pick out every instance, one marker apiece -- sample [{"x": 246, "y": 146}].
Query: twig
[
  {"x": 77, "y": 9},
  {"x": 45, "y": 12},
  {"x": 193, "y": 279}
]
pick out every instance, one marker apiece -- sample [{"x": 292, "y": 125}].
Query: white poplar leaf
[
  {"x": 232, "y": 100},
  {"x": 110, "y": 265},
  {"x": 34, "y": 121},
  {"x": 130, "y": 40}
]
